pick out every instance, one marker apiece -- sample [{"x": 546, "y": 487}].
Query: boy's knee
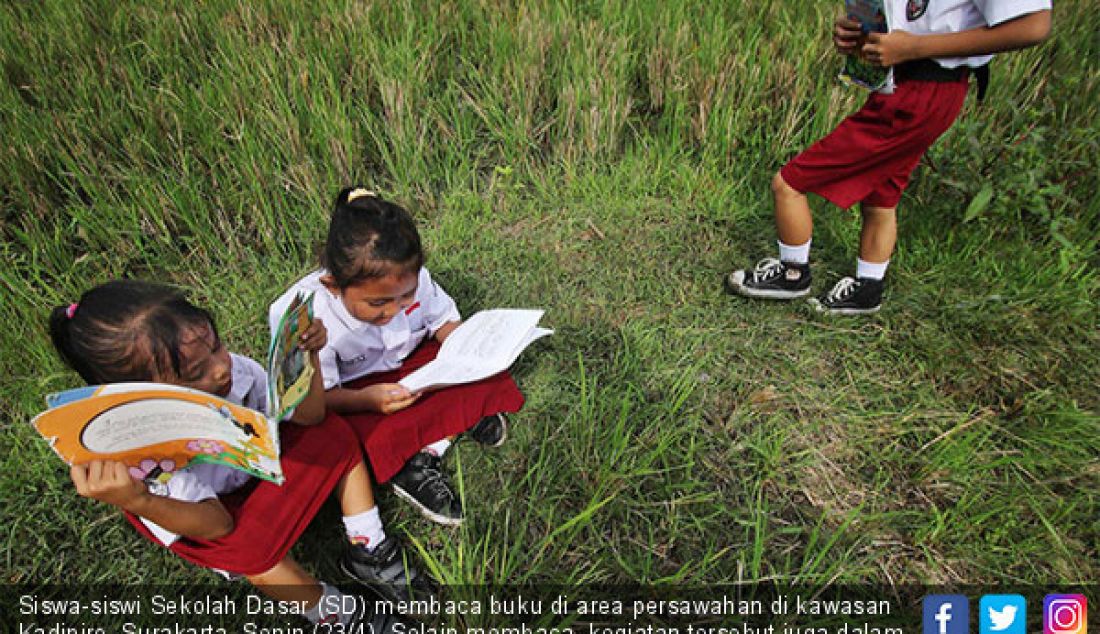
[
  {"x": 781, "y": 188},
  {"x": 878, "y": 214}
]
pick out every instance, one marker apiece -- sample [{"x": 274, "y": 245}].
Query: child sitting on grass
[
  {"x": 210, "y": 514},
  {"x": 932, "y": 46},
  {"x": 387, "y": 317}
]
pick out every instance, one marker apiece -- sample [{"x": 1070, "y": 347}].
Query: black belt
[{"x": 928, "y": 70}]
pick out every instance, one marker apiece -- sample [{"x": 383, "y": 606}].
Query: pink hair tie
[{"x": 71, "y": 310}]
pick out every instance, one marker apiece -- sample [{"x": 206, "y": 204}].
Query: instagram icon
[{"x": 1065, "y": 614}]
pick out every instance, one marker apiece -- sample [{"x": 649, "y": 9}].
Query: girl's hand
[
  {"x": 891, "y": 49},
  {"x": 847, "y": 35},
  {"x": 108, "y": 481},
  {"x": 388, "y": 398},
  {"x": 315, "y": 337}
]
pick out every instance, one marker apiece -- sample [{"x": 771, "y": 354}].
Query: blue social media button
[
  {"x": 1002, "y": 614},
  {"x": 946, "y": 614}
]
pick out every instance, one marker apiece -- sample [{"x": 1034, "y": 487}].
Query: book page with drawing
[
  {"x": 487, "y": 343},
  {"x": 289, "y": 371},
  {"x": 156, "y": 429}
]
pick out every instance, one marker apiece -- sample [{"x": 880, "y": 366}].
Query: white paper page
[
  {"x": 487, "y": 343},
  {"x": 443, "y": 373},
  {"x": 490, "y": 337}
]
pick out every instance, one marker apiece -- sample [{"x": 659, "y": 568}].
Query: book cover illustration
[
  {"x": 156, "y": 429},
  {"x": 289, "y": 371},
  {"x": 871, "y": 15}
]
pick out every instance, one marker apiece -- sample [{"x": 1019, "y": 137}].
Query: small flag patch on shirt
[{"x": 408, "y": 311}]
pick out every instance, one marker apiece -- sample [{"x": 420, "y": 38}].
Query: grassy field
[{"x": 609, "y": 162}]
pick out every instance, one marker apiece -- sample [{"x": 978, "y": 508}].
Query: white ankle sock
[
  {"x": 328, "y": 609},
  {"x": 798, "y": 254},
  {"x": 438, "y": 448},
  {"x": 365, "y": 528},
  {"x": 872, "y": 270}
]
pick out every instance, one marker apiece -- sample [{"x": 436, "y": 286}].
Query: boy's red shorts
[{"x": 869, "y": 156}]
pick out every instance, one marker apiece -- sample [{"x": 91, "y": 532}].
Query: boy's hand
[
  {"x": 315, "y": 337},
  {"x": 847, "y": 35},
  {"x": 891, "y": 49},
  {"x": 108, "y": 481},
  {"x": 388, "y": 398}
]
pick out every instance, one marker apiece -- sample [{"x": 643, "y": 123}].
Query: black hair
[
  {"x": 368, "y": 237},
  {"x": 125, "y": 330}
]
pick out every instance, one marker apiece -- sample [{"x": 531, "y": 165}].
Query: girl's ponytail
[{"x": 61, "y": 333}]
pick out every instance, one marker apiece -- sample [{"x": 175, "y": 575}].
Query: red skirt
[
  {"x": 269, "y": 518},
  {"x": 391, "y": 439}
]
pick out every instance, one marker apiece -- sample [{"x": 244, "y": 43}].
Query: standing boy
[{"x": 932, "y": 46}]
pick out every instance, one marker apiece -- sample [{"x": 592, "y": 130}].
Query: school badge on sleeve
[{"x": 914, "y": 9}]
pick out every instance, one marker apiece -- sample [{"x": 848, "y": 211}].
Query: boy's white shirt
[
  {"x": 357, "y": 348},
  {"x": 204, "y": 481},
  {"x": 952, "y": 16}
]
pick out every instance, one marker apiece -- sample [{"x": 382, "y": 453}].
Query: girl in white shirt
[
  {"x": 211, "y": 514},
  {"x": 386, "y": 318}
]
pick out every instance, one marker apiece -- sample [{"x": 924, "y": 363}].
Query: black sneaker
[
  {"x": 384, "y": 570},
  {"x": 421, "y": 482},
  {"x": 491, "y": 430},
  {"x": 772, "y": 279},
  {"x": 851, "y": 296}
]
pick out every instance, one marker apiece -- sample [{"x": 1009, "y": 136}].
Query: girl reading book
[
  {"x": 386, "y": 318},
  {"x": 211, "y": 514}
]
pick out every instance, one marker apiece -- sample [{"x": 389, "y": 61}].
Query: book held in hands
[
  {"x": 157, "y": 428},
  {"x": 871, "y": 15}
]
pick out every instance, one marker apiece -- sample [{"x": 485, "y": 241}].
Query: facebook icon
[{"x": 946, "y": 614}]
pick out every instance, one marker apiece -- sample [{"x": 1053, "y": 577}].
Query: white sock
[
  {"x": 872, "y": 270},
  {"x": 798, "y": 254},
  {"x": 330, "y": 608},
  {"x": 438, "y": 448},
  {"x": 365, "y": 528}
]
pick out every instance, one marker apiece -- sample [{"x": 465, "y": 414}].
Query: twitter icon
[{"x": 1002, "y": 614}]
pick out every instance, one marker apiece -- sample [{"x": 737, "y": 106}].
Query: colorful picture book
[
  {"x": 156, "y": 429},
  {"x": 289, "y": 372},
  {"x": 871, "y": 15},
  {"x": 483, "y": 345}
]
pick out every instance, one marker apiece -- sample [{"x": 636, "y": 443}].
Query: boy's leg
[
  {"x": 789, "y": 276},
  {"x": 793, "y": 221},
  {"x": 878, "y": 234},
  {"x": 863, "y": 294}
]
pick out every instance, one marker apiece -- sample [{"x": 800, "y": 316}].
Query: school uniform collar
[{"x": 243, "y": 380}]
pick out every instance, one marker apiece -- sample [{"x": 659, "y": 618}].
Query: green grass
[{"x": 608, "y": 162}]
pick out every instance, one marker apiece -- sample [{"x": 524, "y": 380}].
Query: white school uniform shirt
[
  {"x": 204, "y": 481},
  {"x": 952, "y": 16},
  {"x": 357, "y": 348}
]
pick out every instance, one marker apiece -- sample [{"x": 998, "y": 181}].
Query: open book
[
  {"x": 871, "y": 15},
  {"x": 485, "y": 344},
  {"x": 156, "y": 428}
]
